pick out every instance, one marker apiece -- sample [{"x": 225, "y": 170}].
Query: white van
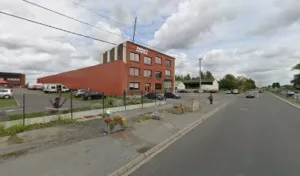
[
  {"x": 53, "y": 88},
  {"x": 35, "y": 86}
]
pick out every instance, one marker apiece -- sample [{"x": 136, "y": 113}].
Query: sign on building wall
[{"x": 141, "y": 50}]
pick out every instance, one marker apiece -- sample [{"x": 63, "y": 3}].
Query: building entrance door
[{"x": 147, "y": 87}]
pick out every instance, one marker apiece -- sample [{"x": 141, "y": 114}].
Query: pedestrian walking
[{"x": 211, "y": 98}]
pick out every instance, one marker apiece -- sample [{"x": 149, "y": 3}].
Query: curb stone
[{"x": 137, "y": 162}]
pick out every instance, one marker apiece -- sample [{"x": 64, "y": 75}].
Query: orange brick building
[{"x": 128, "y": 66}]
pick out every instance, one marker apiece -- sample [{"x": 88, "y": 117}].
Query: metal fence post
[
  {"x": 155, "y": 97},
  {"x": 142, "y": 98},
  {"x": 103, "y": 108},
  {"x": 71, "y": 104},
  {"x": 124, "y": 95},
  {"x": 24, "y": 109}
]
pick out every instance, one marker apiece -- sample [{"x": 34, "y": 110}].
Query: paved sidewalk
[{"x": 102, "y": 155}]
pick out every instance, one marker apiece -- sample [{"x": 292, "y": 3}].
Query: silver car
[
  {"x": 80, "y": 93},
  {"x": 6, "y": 93}
]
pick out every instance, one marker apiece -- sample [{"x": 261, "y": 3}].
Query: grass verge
[
  {"x": 19, "y": 128},
  {"x": 8, "y": 103}
]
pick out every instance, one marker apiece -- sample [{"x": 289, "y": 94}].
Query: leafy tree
[
  {"x": 187, "y": 77},
  {"x": 208, "y": 75},
  {"x": 296, "y": 80},
  {"x": 229, "y": 82},
  {"x": 276, "y": 85}
]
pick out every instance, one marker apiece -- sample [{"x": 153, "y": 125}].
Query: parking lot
[{"x": 38, "y": 101}]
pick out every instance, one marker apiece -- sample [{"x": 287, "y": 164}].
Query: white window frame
[
  {"x": 134, "y": 57},
  {"x": 168, "y": 71},
  {"x": 158, "y": 59},
  {"x": 146, "y": 58},
  {"x": 147, "y": 73}
]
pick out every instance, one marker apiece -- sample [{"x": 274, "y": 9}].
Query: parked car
[
  {"x": 153, "y": 96},
  {"x": 53, "y": 88},
  {"x": 93, "y": 96},
  {"x": 79, "y": 93},
  {"x": 260, "y": 91},
  {"x": 172, "y": 95},
  {"x": 228, "y": 92},
  {"x": 6, "y": 93},
  {"x": 235, "y": 91},
  {"x": 35, "y": 86},
  {"x": 182, "y": 91},
  {"x": 250, "y": 95}
]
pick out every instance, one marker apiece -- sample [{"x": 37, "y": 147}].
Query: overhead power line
[
  {"x": 159, "y": 49},
  {"x": 103, "y": 16},
  {"x": 66, "y": 16},
  {"x": 53, "y": 27}
]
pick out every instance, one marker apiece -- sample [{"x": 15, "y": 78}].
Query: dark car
[
  {"x": 182, "y": 91},
  {"x": 79, "y": 93},
  {"x": 250, "y": 95},
  {"x": 153, "y": 96},
  {"x": 260, "y": 91},
  {"x": 93, "y": 96},
  {"x": 172, "y": 95}
]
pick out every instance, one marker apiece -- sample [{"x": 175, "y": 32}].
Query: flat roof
[
  {"x": 197, "y": 81},
  {"x": 150, "y": 49},
  {"x": 11, "y": 73}
]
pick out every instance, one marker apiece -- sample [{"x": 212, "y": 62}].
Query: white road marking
[{"x": 285, "y": 100}]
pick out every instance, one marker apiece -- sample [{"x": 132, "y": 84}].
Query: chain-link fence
[{"x": 34, "y": 104}]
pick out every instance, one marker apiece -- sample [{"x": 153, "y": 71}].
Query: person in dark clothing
[{"x": 211, "y": 98}]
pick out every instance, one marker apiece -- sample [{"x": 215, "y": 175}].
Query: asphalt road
[{"x": 250, "y": 137}]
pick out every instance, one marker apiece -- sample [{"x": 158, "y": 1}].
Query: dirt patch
[{"x": 144, "y": 149}]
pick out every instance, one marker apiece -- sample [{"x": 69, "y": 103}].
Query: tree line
[
  {"x": 295, "y": 81},
  {"x": 229, "y": 82},
  {"x": 204, "y": 75}
]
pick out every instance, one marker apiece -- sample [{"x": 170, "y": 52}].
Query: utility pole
[
  {"x": 200, "y": 59},
  {"x": 134, "y": 29}
]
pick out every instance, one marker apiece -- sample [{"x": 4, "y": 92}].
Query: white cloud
[
  {"x": 256, "y": 38},
  {"x": 38, "y": 51}
]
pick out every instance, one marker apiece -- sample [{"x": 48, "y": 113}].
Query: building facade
[
  {"x": 127, "y": 67},
  {"x": 179, "y": 85},
  {"x": 14, "y": 80},
  {"x": 206, "y": 85}
]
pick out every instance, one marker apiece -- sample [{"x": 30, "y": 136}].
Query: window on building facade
[
  {"x": 112, "y": 55},
  {"x": 158, "y": 60},
  {"x": 147, "y": 60},
  {"x": 1, "y": 79},
  {"x": 147, "y": 73},
  {"x": 134, "y": 71},
  {"x": 168, "y": 63},
  {"x": 158, "y": 74},
  {"x": 168, "y": 72},
  {"x": 158, "y": 86},
  {"x": 135, "y": 57},
  {"x": 167, "y": 84},
  {"x": 134, "y": 86}
]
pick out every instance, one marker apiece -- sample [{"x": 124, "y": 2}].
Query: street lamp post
[{"x": 200, "y": 59}]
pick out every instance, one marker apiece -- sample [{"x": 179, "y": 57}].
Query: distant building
[
  {"x": 206, "y": 85},
  {"x": 127, "y": 67},
  {"x": 179, "y": 85},
  {"x": 12, "y": 80}
]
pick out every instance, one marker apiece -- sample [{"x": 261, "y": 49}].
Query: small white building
[
  {"x": 179, "y": 85},
  {"x": 206, "y": 85}
]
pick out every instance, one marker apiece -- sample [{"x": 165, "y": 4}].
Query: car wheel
[{"x": 6, "y": 97}]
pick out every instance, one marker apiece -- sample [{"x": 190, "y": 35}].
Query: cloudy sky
[{"x": 255, "y": 38}]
